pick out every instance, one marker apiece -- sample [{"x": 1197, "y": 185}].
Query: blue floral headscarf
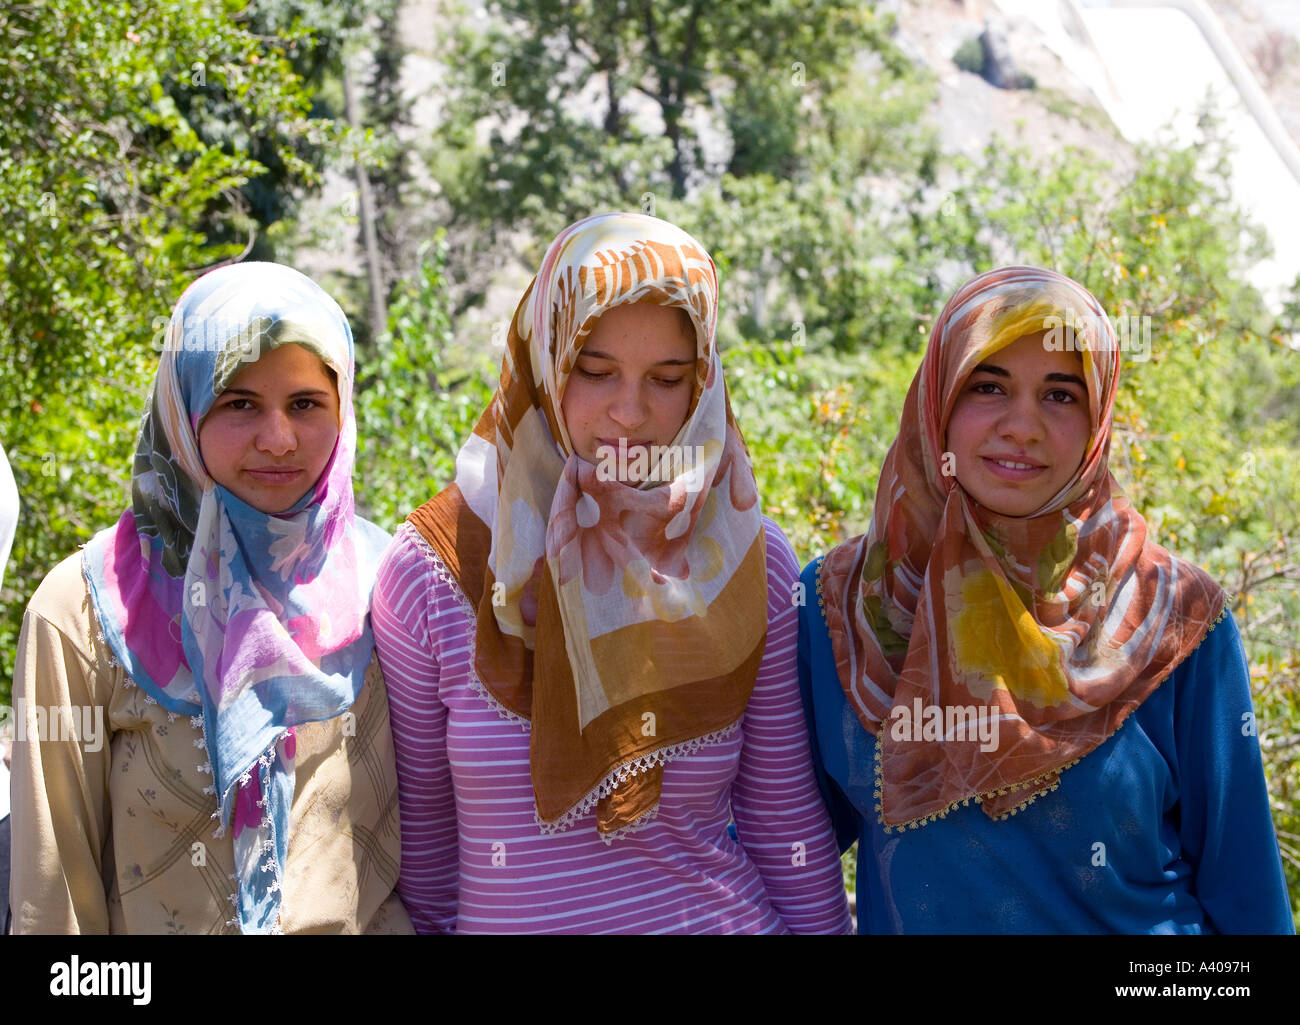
[{"x": 254, "y": 622}]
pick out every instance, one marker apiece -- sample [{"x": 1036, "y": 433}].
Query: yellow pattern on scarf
[{"x": 995, "y": 635}]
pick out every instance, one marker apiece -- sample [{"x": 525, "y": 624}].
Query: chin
[
  {"x": 1014, "y": 506},
  {"x": 270, "y": 506}
]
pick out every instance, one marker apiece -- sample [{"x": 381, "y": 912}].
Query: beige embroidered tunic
[{"x": 113, "y": 833}]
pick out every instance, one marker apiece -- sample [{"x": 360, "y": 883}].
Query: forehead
[
  {"x": 286, "y": 368},
  {"x": 649, "y": 332},
  {"x": 1035, "y": 356}
]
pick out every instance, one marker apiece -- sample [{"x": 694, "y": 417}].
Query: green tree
[
  {"x": 417, "y": 399},
  {"x": 388, "y": 114},
  {"x": 311, "y": 36},
  {"x": 765, "y": 127},
  {"x": 104, "y": 184}
]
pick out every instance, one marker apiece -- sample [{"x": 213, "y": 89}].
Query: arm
[
  {"x": 812, "y": 630},
  {"x": 61, "y": 815},
  {"x": 1225, "y": 826},
  {"x": 779, "y": 814},
  {"x": 409, "y": 602}
]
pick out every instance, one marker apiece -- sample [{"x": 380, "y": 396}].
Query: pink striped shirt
[{"x": 473, "y": 856}]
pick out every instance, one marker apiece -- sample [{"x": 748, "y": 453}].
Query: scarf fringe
[
  {"x": 1040, "y": 782},
  {"x": 610, "y": 783}
]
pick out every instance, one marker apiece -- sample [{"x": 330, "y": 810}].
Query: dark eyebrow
[
  {"x": 597, "y": 354},
  {"x": 996, "y": 371},
  {"x": 302, "y": 394}
]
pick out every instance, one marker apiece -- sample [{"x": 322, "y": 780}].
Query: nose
[
  {"x": 1022, "y": 422},
  {"x": 275, "y": 434},
  {"x": 630, "y": 407}
]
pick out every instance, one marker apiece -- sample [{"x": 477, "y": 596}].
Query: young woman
[
  {"x": 1032, "y": 717},
  {"x": 589, "y": 636},
  {"x": 207, "y": 662}
]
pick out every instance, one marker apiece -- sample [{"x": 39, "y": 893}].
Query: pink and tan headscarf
[
  {"x": 1060, "y": 623},
  {"x": 626, "y": 624}
]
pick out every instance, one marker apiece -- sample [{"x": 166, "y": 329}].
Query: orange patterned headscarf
[
  {"x": 946, "y": 616},
  {"x": 625, "y": 623}
]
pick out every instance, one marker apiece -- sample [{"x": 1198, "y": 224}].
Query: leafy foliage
[
  {"x": 103, "y": 180},
  {"x": 417, "y": 399}
]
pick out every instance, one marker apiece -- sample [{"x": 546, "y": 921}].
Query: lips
[
  {"x": 274, "y": 474},
  {"x": 1013, "y": 468},
  {"x": 631, "y": 443}
]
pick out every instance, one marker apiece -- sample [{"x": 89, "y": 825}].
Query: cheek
[
  {"x": 323, "y": 443},
  {"x": 218, "y": 445},
  {"x": 577, "y": 405},
  {"x": 1074, "y": 438},
  {"x": 967, "y": 431},
  {"x": 678, "y": 406},
  {"x": 962, "y": 433}
]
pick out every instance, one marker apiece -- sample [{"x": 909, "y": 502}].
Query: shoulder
[
  {"x": 371, "y": 537},
  {"x": 411, "y": 573},
  {"x": 61, "y": 638},
  {"x": 814, "y": 634},
  {"x": 1217, "y": 660},
  {"x": 63, "y": 601},
  {"x": 408, "y": 555},
  {"x": 782, "y": 566},
  {"x": 1203, "y": 610}
]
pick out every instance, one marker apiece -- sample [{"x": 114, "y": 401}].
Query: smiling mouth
[{"x": 1013, "y": 469}]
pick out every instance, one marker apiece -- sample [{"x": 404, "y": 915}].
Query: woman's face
[
  {"x": 1020, "y": 426},
  {"x": 270, "y": 434},
  {"x": 633, "y": 380}
]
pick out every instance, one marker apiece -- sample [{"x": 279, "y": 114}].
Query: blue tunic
[{"x": 1164, "y": 828}]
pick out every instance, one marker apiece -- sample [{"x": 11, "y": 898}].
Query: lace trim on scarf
[
  {"x": 1042, "y": 783},
  {"x": 643, "y": 763},
  {"x": 606, "y": 786}
]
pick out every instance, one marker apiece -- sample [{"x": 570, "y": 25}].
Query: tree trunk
[{"x": 378, "y": 302}]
